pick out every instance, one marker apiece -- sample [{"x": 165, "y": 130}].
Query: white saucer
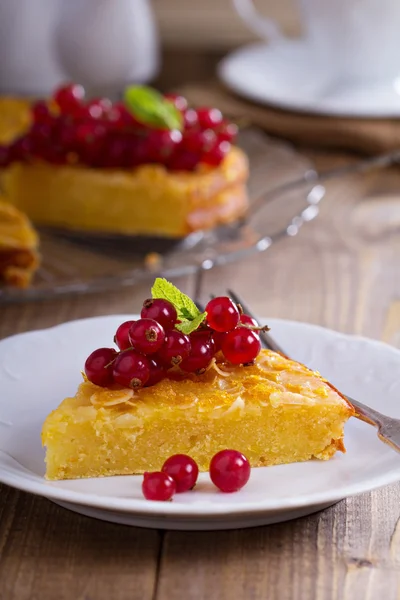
[
  {"x": 287, "y": 75},
  {"x": 38, "y": 369}
]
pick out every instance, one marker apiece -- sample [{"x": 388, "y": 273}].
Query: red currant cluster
[
  {"x": 151, "y": 346},
  {"x": 99, "y": 133},
  {"x": 229, "y": 471}
]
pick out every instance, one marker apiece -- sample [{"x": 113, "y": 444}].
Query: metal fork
[{"x": 388, "y": 428}]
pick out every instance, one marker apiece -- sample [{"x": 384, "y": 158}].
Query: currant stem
[{"x": 256, "y": 327}]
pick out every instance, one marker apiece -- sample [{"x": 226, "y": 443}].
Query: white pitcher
[
  {"x": 28, "y": 64},
  {"x": 103, "y": 44}
]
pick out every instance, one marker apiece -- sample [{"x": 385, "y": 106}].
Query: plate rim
[
  {"x": 310, "y": 107},
  {"x": 193, "y": 511}
]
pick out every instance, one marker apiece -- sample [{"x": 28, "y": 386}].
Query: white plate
[
  {"x": 38, "y": 369},
  {"x": 288, "y": 76}
]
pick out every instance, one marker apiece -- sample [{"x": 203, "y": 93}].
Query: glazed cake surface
[{"x": 276, "y": 411}]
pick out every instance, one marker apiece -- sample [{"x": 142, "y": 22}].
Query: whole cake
[
  {"x": 166, "y": 392},
  {"x": 147, "y": 166}
]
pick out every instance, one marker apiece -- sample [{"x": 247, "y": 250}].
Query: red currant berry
[
  {"x": 178, "y": 101},
  {"x": 217, "y": 337},
  {"x": 87, "y": 113},
  {"x": 54, "y": 154},
  {"x": 222, "y": 314},
  {"x": 157, "y": 372},
  {"x": 40, "y": 132},
  {"x": 5, "y": 158},
  {"x": 241, "y": 346},
  {"x": 86, "y": 133},
  {"x": 247, "y": 320},
  {"x": 121, "y": 338},
  {"x": 160, "y": 310},
  {"x": 184, "y": 161},
  {"x": 209, "y": 117},
  {"x": 175, "y": 348},
  {"x": 99, "y": 107},
  {"x": 215, "y": 156},
  {"x": 66, "y": 136},
  {"x": 41, "y": 113},
  {"x": 21, "y": 149},
  {"x": 227, "y": 132},
  {"x": 146, "y": 336},
  {"x": 201, "y": 354},
  {"x": 158, "y": 486},
  {"x": 69, "y": 98},
  {"x": 138, "y": 151},
  {"x": 190, "y": 118},
  {"x": 207, "y": 335},
  {"x": 229, "y": 470},
  {"x": 183, "y": 470},
  {"x": 199, "y": 141},
  {"x": 92, "y": 153},
  {"x": 116, "y": 152},
  {"x": 98, "y": 366},
  {"x": 131, "y": 369},
  {"x": 120, "y": 116},
  {"x": 161, "y": 144}
]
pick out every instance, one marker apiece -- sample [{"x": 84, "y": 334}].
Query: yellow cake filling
[{"x": 276, "y": 411}]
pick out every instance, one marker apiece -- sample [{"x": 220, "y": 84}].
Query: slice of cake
[
  {"x": 19, "y": 256},
  {"x": 185, "y": 382},
  {"x": 276, "y": 411}
]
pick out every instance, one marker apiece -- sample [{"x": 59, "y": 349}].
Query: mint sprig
[
  {"x": 151, "y": 108},
  {"x": 189, "y": 315}
]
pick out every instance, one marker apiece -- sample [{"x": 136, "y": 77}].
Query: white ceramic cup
[{"x": 350, "y": 39}]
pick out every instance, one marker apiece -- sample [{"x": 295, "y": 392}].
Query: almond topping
[{"x": 107, "y": 398}]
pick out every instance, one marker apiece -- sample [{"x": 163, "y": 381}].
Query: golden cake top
[{"x": 272, "y": 380}]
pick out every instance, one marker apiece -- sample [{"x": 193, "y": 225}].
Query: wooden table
[{"x": 342, "y": 272}]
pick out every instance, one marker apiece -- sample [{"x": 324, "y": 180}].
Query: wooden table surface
[{"x": 342, "y": 271}]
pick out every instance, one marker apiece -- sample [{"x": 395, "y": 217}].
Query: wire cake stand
[{"x": 283, "y": 196}]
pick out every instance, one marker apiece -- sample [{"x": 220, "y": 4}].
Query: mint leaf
[
  {"x": 185, "y": 313},
  {"x": 190, "y": 326},
  {"x": 185, "y": 307},
  {"x": 151, "y": 108}
]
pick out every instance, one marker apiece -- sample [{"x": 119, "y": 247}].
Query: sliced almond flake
[
  {"x": 130, "y": 403},
  {"x": 233, "y": 390},
  {"x": 282, "y": 398},
  {"x": 111, "y": 397},
  {"x": 213, "y": 365},
  {"x": 229, "y": 387},
  {"x": 239, "y": 403},
  {"x": 185, "y": 406}
]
